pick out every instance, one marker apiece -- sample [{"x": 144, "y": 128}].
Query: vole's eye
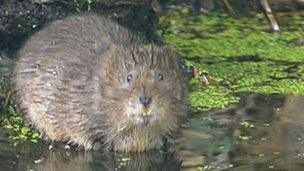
[
  {"x": 160, "y": 77},
  {"x": 129, "y": 78}
]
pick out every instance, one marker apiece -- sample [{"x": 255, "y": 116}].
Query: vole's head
[{"x": 146, "y": 88}]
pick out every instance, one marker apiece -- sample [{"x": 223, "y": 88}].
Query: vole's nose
[{"x": 145, "y": 100}]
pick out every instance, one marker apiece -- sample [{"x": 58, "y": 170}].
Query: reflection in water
[
  {"x": 277, "y": 138},
  {"x": 38, "y": 158},
  {"x": 261, "y": 133}
]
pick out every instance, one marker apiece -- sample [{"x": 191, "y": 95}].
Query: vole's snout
[{"x": 145, "y": 100}]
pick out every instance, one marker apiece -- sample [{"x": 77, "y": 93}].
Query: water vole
[{"x": 84, "y": 79}]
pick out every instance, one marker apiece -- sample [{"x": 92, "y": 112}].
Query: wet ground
[{"x": 260, "y": 133}]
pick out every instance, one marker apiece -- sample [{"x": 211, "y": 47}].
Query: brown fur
[{"x": 70, "y": 83}]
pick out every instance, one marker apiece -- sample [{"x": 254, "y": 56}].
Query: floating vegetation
[{"x": 240, "y": 52}]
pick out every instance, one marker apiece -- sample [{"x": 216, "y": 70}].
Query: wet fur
[{"x": 70, "y": 84}]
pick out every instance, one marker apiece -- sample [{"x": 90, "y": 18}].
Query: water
[
  {"x": 260, "y": 133},
  {"x": 32, "y": 157}
]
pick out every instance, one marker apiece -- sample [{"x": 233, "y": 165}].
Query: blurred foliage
[{"x": 239, "y": 51}]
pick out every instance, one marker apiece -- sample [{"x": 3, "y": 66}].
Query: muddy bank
[{"x": 20, "y": 19}]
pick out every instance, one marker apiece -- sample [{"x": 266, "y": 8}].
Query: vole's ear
[
  {"x": 122, "y": 58},
  {"x": 166, "y": 50},
  {"x": 167, "y": 56},
  {"x": 110, "y": 61},
  {"x": 160, "y": 48}
]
